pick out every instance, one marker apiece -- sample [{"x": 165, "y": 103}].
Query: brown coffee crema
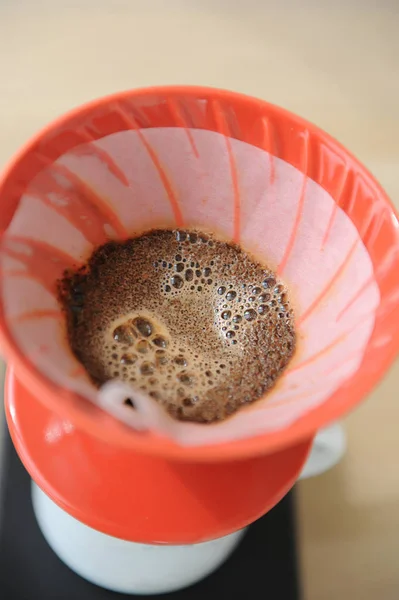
[{"x": 195, "y": 322}]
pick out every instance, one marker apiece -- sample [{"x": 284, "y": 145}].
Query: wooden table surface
[{"x": 336, "y": 64}]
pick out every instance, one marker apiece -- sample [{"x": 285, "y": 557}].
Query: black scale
[{"x": 263, "y": 566}]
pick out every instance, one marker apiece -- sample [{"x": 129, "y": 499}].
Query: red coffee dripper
[{"x": 256, "y": 174}]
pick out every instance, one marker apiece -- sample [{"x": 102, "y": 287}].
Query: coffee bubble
[
  {"x": 181, "y": 236},
  {"x": 250, "y": 314},
  {"x": 189, "y": 401},
  {"x": 186, "y": 378},
  {"x": 147, "y": 368},
  {"x": 143, "y": 326},
  {"x": 160, "y": 341},
  {"x": 263, "y": 309},
  {"x": 127, "y": 359},
  {"x": 124, "y": 334},
  {"x": 161, "y": 358},
  {"x": 264, "y": 298},
  {"x": 269, "y": 283},
  {"x": 181, "y": 361},
  {"x": 143, "y": 346},
  {"x": 177, "y": 282}
]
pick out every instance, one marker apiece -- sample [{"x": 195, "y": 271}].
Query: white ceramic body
[
  {"x": 328, "y": 448},
  {"x": 133, "y": 568}
]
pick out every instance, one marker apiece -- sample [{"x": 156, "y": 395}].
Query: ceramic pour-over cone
[
  {"x": 253, "y": 173},
  {"x": 189, "y": 157}
]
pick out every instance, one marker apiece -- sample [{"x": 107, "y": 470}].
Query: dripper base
[{"x": 140, "y": 498}]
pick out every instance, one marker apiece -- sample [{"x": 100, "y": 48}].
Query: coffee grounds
[{"x": 193, "y": 321}]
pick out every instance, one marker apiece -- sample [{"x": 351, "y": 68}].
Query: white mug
[{"x": 133, "y": 568}]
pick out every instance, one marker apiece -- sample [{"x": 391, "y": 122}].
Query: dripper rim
[{"x": 68, "y": 402}]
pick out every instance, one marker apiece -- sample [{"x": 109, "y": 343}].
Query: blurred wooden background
[{"x": 336, "y": 64}]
